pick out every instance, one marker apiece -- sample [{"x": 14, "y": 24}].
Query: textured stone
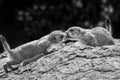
[{"x": 71, "y": 62}]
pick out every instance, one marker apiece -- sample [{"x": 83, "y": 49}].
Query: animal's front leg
[
  {"x": 70, "y": 40},
  {"x": 25, "y": 62},
  {"x": 92, "y": 41}
]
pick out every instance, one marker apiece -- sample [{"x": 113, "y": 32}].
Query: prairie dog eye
[
  {"x": 71, "y": 30},
  {"x": 79, "y": 30},
  {"x": 55, "y": 37},
  {"x": 61, "y": 36}
]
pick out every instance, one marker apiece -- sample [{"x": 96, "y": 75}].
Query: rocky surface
[{"x": 71, "y": 62}]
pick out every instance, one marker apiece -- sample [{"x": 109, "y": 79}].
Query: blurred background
[{"x": 25, "y": 20}]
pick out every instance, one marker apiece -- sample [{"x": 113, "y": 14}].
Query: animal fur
[
  {"x": 30, "y": 51},
  {"x": 97, "y": 36}
]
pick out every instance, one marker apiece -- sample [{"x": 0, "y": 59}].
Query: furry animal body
[
  {"x": 30, "y": 51},
  {"x": 97, "y": 36}
]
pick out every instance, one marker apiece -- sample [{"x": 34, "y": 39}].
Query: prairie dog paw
[{"x": 24, "y": 63}]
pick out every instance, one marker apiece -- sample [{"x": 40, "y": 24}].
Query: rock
[{"x": 72, "y": 62}]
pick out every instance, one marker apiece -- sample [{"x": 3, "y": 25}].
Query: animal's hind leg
[
  {"x": 6, "y": 68},
  {"x": 8, "y": 65}
]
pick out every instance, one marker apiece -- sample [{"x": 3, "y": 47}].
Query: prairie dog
[
  {"x": 30, "y": 51},
  {"x": 97, "y": 36}
]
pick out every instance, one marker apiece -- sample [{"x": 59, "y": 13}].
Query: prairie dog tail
[
  {"x": 108, "y": 24},
  {"x": 5, "y": 44}
]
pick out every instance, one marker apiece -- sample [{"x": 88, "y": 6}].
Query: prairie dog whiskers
[
  {"x": 97, "y": 36},
  {"x": 30, "y": 51}
]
